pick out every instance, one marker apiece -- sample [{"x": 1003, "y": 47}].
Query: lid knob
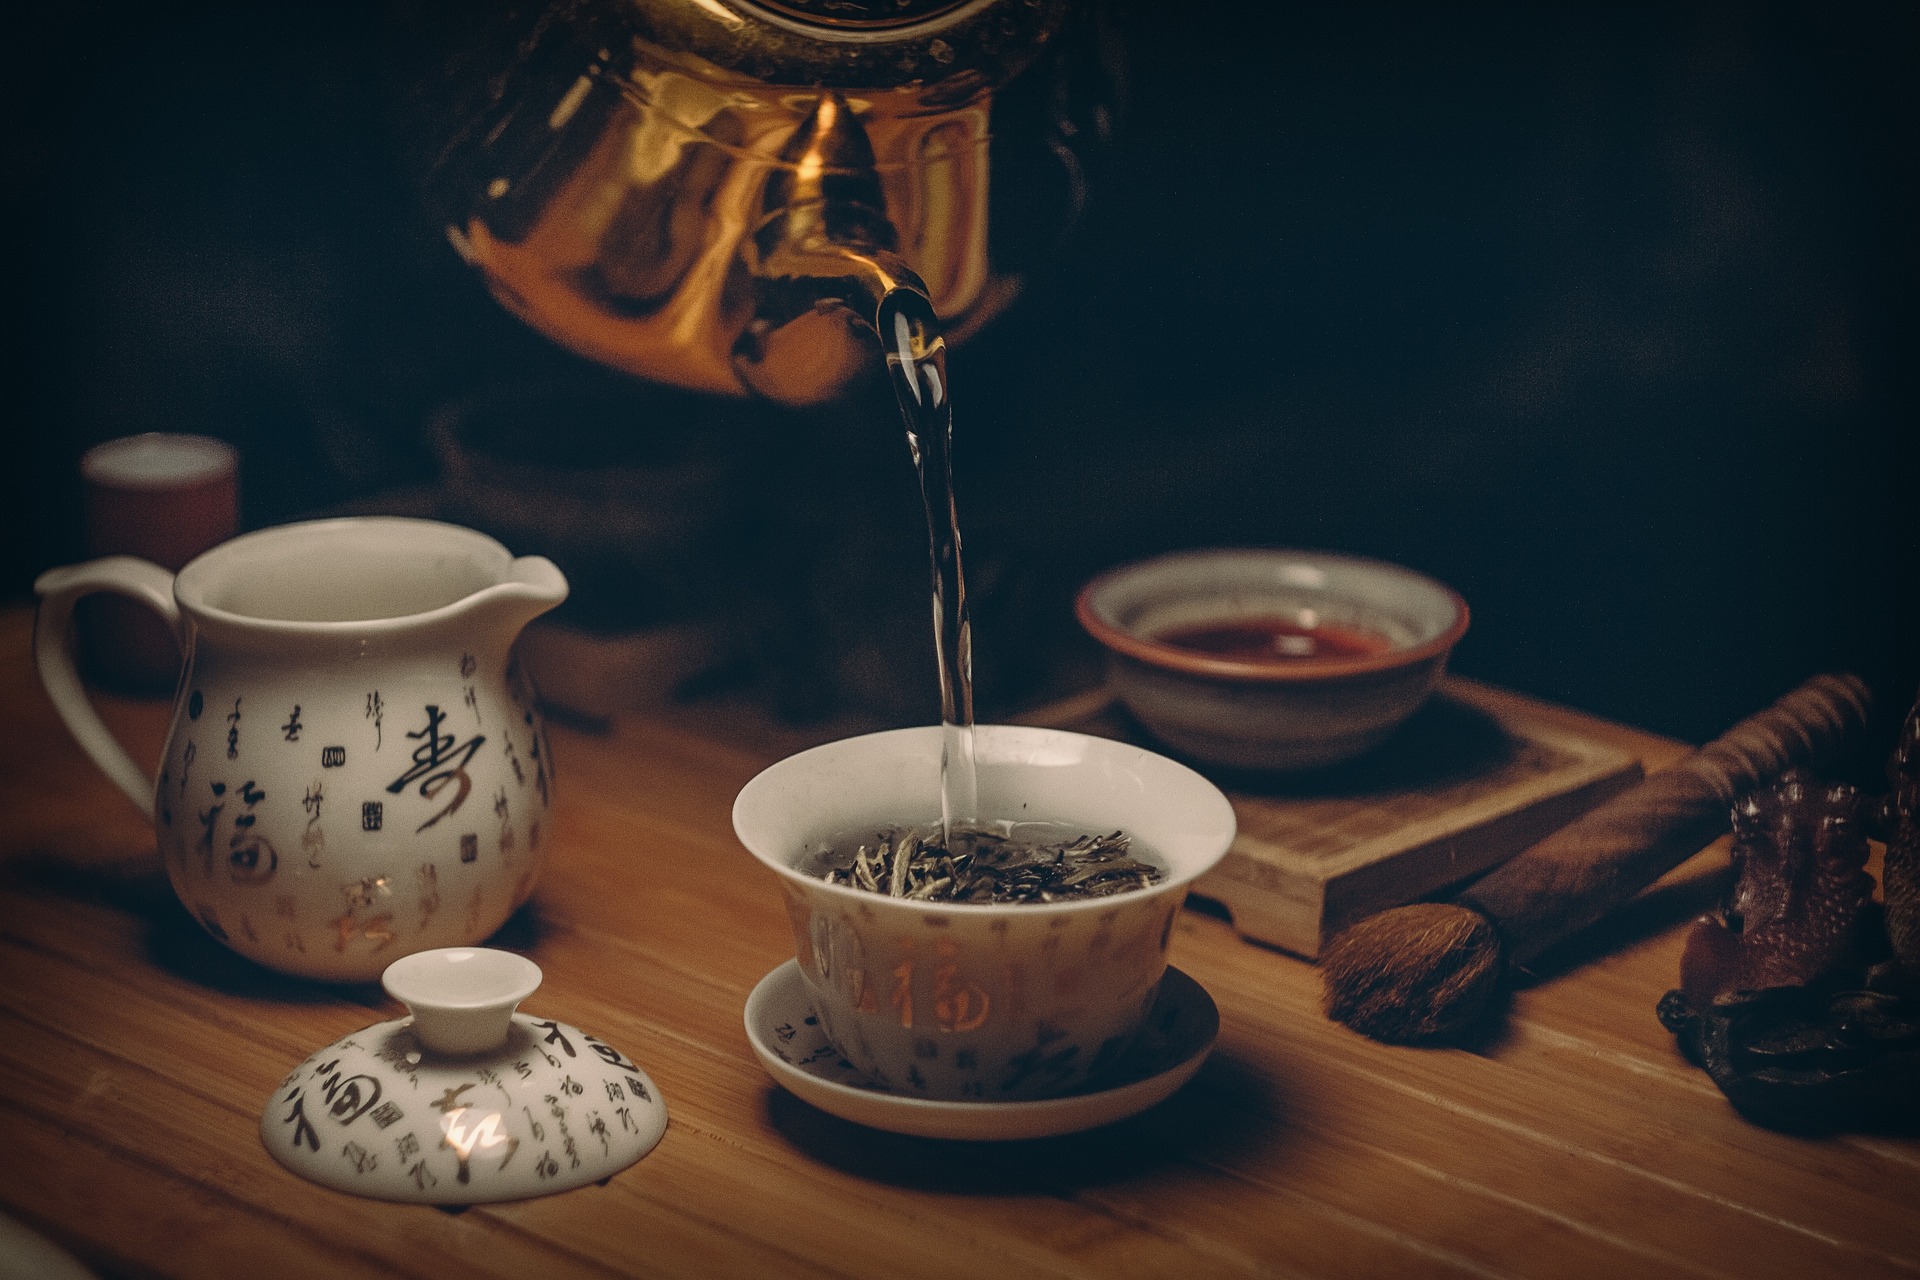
[{"x": 462, "y": 998}]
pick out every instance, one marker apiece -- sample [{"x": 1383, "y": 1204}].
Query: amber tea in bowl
[
  {"x": 988, "y": 1001},
  {"x": 1271, "y": 659}
]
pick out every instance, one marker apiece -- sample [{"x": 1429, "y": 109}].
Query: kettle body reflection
[{"x": 716, "y": 193}]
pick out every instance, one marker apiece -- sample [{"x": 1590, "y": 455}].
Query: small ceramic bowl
[
  {"x": 1274, "y": 709},
  {"x": 973, "y": 1001}
]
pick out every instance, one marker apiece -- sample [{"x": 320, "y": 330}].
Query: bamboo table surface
[{"x": 136, "y": 1055}]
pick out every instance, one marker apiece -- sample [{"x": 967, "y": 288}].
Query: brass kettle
[{"x": 716, "y": 193}]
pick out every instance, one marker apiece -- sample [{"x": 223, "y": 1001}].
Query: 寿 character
[{"x": 437, "y": 762}]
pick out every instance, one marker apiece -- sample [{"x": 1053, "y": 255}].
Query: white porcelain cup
[{"x": 978, "y": 1001}]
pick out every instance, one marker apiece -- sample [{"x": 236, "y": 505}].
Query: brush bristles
[{"x": 1413, "y": 975}]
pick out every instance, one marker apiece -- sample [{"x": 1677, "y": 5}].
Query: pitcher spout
[{"x": 532, "y": 586}]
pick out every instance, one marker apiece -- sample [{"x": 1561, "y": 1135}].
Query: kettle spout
[
  {"x": 820, "y": 261},
  {"x": 532, "y": 586}
]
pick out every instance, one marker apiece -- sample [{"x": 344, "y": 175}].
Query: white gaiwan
[{"x": 467, "y": 1101}]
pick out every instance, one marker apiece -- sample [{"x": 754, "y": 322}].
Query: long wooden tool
[{"x": 1431, "y": 970}]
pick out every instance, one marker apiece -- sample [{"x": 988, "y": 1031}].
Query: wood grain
[
  {"x": 136, "y": 1055},
  {"x": 1475, "y": 777}
]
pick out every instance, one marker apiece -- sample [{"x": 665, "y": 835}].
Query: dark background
[{"x": 1605, "y": 316}]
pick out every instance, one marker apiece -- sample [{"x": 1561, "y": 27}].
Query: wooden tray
[{"x": 1473, "y": 778}]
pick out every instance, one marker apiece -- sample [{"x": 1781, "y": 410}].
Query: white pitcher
[{"x": 356, "y": 768}]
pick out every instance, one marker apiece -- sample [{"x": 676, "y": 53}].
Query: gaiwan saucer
[
  {"x": 466, "y": 1102},
  {"x": 787, "y": 1039}
]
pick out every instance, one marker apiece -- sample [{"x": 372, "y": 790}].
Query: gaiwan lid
[{"x": 466, "y": 1101}]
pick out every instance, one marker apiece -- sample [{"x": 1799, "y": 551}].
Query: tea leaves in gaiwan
[{"x": 986, "y": 866}]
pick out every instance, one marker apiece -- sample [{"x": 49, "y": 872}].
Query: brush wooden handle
[{"x": 1573, "y": 877}]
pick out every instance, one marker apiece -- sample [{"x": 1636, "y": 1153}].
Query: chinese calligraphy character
[
  {"x": 438, "y": 761},
  {"x": 539, "y": 764},
  {"x": 374, "y": 930},
  {"x": 251, "y": 858},
  {"x": 1058, "y": 1065},
  {"x": 429, "y": 877},
  {"x": 233, "y": 731},
  {"x": 348, "y": 1097},
  {"x": 303, "y": 1130},
  {"x": 608, "y": 1052},
  {"x": 465, "y": 1139},
  {"x": 208, "y": 818},
  {"x": 293, "y": 726},
  {"x": 554, "y": 1037},
  {"x": 375, "y": 710},
  {"x": 513, "y": 758},
  {"x": 361, "y": 894},
  {"x": 313, "y": 839}
]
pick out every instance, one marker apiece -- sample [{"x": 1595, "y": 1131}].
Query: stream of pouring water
[{"x": 917, "y": 362}]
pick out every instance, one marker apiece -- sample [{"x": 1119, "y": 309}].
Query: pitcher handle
[{"x": 60, "y": 590}]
